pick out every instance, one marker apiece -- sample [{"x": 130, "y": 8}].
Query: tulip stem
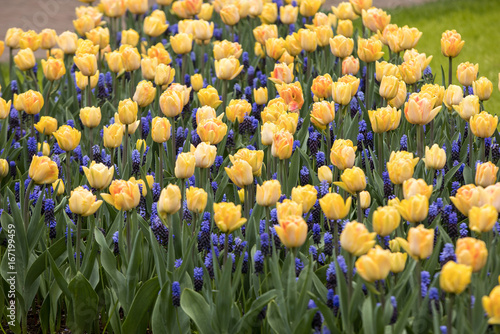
[
  {"x": 335, "y": 237},
  {"x": 78, "y": 237},
  {"x": 33, "y": 128},
  {"x": 172, "y": 142},
  {"x": 450, "y": 70},
  {"x": 360, "y": 215},
  {"x": 11, "y": 65},
  {"x": 418, "y": 272},
  {"x": 68, "y": 170},
  {"x": 483, "y": 149},
  {"x": 183, "y": 68},
  {"x": 471, "y": 144},
  {"x": 91, "y": 139},
  {"x": 451, "y": 301},
  {"x": 328, "y": 144},
  {"x": 224, "y": 95},
  {"x": 125, "y": 150},
  {"x": 160, "y": 153},
  {"x": 26, "y": 203},
  {"x": 380, "y": 153},
  {"x": 47, "y": 99},
  {"x": 309, "y": 65},
  {"x": 89, "y": 92},
  {"x": 349, "y": 280},
  {"x": 420, "y": 141},
  {"x": 131, "y": 84},
  {"x": 127, "y": 223},
  {"x": 226, "y": 248}
]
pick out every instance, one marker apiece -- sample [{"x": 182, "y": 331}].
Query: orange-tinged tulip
[
  {"x": 292, "y": 231},
  {"x": 483, "y": 125},
  {"x": 375, "y": 19},
  {"x": 253, "y": 157},
  {"x": 451, "y": 43},
  {"x": 268, "y": 193},
  {"x": 240, "y": 173},
  {"x": 282, "y": 73},
  {"x": 288, "y": 208},
  {"x": 467, "y": 196},
  {"x": 467, "y": 73},
  {"x": 350, "y": 65},
  {"x": 482, "y": 219},
  {"x": 53, "y": 69},
  {"x": 359, "y": 5},
  {"x": 43, "y": 170},
  {"x": 490, "y": 195},
  {"x": 322, "y": 114},
  {"x": 375, "y": 265},
  {"x": 90, "y": 116},
  {"x": 356, "y": 239},
  {"x": 113, "y": 8},
  {"x": 226, "y": 49},
  {"x": 275, "y": 47},
  {"x": 205, "y": 155},
  {"x": 13, "y": 37},
  {"x": 112, "y": 135},
  {"x": 322, "y": 87},
  {"x": 384, "y": 119},
  {"x": 170, "y": 201},
  {"x": 434, "y": 90},
  {"x": 412, "y": 187},
  {"x": 486, "y": 174},
  {"x": 343, "y": 153},
  {"x": 420, "y": 242},
  {"x": 410, "y": 71},
  {"x": 472, "y": 252},
  {"x": 30, "y": 39},
  {"x": 334, "y": 207},
  {"x": 82, "y": 202},
  {"x": 212, "y": 130},
  {"x": 230, "y": 14},
  {"x": 385, "y": 220},
  {"x": 99, "y": 36},
  {"x": 455, "y": 277},
  {"x": 482, "y": 88},
  {"x": 237, "y": 110},
  {"x": 144, "y": 93},
  {"x": 398, "y": 262},
  {"x": 401, "y": 166},
  {"x": 491, "y": 305},
  {"x": 369, "y": 50},
  {"x": 25, "y": 59},
  {"x": 418, "y": 109},
  {"x": 48, "y": 39},
  {"x": 282, "y": 144},
  {"x": 227, "y": 217},
  {"x": 292, "y": 95},
  {"x": 264, "y": 32},
  {"x": 171, "y": 103},
  {"x": 160, "y": 129},
  {"x": 305, "y": 196},
  {"x": 67, "y": 137},
  {"x": 32, "y": 101},
  {"x": 288, "y": 121},
  {"x": 184, "y": 165}
]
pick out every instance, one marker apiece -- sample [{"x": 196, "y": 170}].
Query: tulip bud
[
  {"x": 375, "y": 265},
  {"x": 455, "y": 277},
  {"x": 282, "y": 145},
  {"x": 490, "y": 305},
  {"x": 398, "y": 262},
  {"x": 269, "y": 193},
  {"x": 483, "y": 125},
  {"x": 292, "y": 231},
  {"x": 127, "y": 111},
  {"x": 325, "y": 174},
  {"x": 227, "y": 217},
  {"x": 389, "y": 87},
  {"x": 451, "y": 43},
  {"x": 112, "y": 135},
  {"x": 196, "y": 199},
  {"x": 43, "y": 170},
  {"x": 58, "y": 187},
  {"x": 205, "y": 155},
  {"x": 4, "y": 168},
  {"x": 334, "y": 207},
  {"x": 385, "y": 220},
  {"x": 170, "y": 201},
  {"x": 365, "y": 199},
  {"x": 343, "y": 154},
  {"x": 356, "y": 239},
  {"x": 467, "y": 73},
  {"x": 196, "y": 82},
  {"x": 44, "y": 148},
  {"x": 184, "y": 165},
  {"x": 160, "y": 129},
  {"x": 260, "y": 95},
  {"x": 472, "y": 252}
]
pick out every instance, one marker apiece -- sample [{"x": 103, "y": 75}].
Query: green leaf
[
  {"x": 84, "y": 302},
  {"x": 196, "y": 307},
  {"x": 141, "y": 305},
  {"x": 369, "y": 322},
  {"x": 258, "y": 304},
  {"x": 275, "y": 320}
]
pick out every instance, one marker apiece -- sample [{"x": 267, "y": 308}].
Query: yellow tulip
[
  {"x": 398, "y": 262},
  {"x": 267, "y": 133},
  {"x": 171, "y": 103},
  {"x": 414, "y": 209},
  {"x": 482, "y": 219},
  {"x": 453, "y": 95},
  {"x": 288, "y": 208},
  {"x": 282, "y": 145},
  {"x": 155, "y": 26},
  {"x": 307, "y": 39},
  {"x": 5, "y": 108},
  {"x": 288, "y": 14},
  {"x": 334, "y": 207},
  {"x": 305, "y": 195},
  {"x": 344, "y": 11},
  {"x": 25, "y": 59},
  {"x": 389, "y": 87},
  {"x": 341, "y": 46},
  {"x": 369, "y": 50},
  {"x": 342, "y": 93},
  {"x": 350, "y": 65},
  {"x": 375, "y": 265},
  {"x": 237, "y": 110},
  {"x": 384, "y": 119},
  {"x": 269, "y": 193},
  {"x": 230, "y": 14},
  {"x": 240, "y": 173},
  {"x": 451, "y": 43},
  {"x": 359, "y": 5},
  {"x": 53, "y": 69},
  {"x": 44, "y": 148},
  {"x": 483, "y": 125},
  {"x": 400, "y": 98},
  {"x": 309, "y": 7},
  {"x": 206, "y": 12},
  {"x": 202, "y": 31},
  {"x": 130, "y": 37},
  {"x": 98, "y": 175},
  {"x": 113, "y": 8},
  {"x": 467, "y": 73},
  {"x": 196, "y": 82},
  {"x": 253, "y": 157},
  {"x": 112, "y": 135},
  {"x": 482, "y": 88},
  {"x": 130, "y": 57},
  {"x": 418, "y": 109},
  {"x": 83, "y": 24},
  {"x": 356, "y": 239},
  {"x": 375, "y": 19},
  {"x": 226, "y": 49},
  {"x": 181, "y": 43},
  {"x": 322, "y": 87},
  {"x": 343, "y": 154},
  {"x": 67, "y": 41},
  {"x": 486, "y": 174},
  {"x": 184, "y": 165},
  {"x": 212, "y": 130},
  {"x": 455, "y": 277},
  {"x": 292, "y": 231},
  {"x": 282, "y": 73},
  {"x": 491, "y": 305},
  {"x": 420, "y": 242},
  {"x": 43, "y": 170},
  {"x": 144, "y": 93},
  {"x": 67, "y": 137},
  {"x": 472, "y": 252},
  {"x": 227, "y": 217},
  {"x": 269, "y": 13},
  {"x": 90, "y": 116},
  {"x": 137, "y": 7},
  {"x": 196, "y": 199},
  {"x": 227, "y": 68},
  {"x": 325, "y": 174},
  {"x": 170, "y": 201},
  {"x": 99, "y": 36},
  {"x": 385, "y": 220},
  {"x": 82, "y": 202},
  {"x": 412, "y": 187},
  {"x": 127, "y": 111},
  {"x": 86, "y": 63},
  {"x": 209, "y": 97},
  {"x": 160, "y": 129},
  {"x": 58, "y": 186},
  {"x": 46, "y": 125},
  {"x": 13, "y": 37},
  {"x": 260, "y": 95},
  {"x": 467, "y": 196},
  {"x": 205, "y": 155}
]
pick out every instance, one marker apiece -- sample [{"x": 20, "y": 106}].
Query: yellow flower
[
  {"x": 389, "y": 87},
  {"x": 490, "y": 195},
  {"x": 130, "y": 37},
  {"x": 344, "y": 11},
  {"x": 99, "y": 36},
  {"x": 411, "y": 71},
  {"x": 181, "y": 43},
  {"x": 384, "y": 119},
  {"x": 98, "y": 175},
  {"x": 209, "y": 97},
  {"x": 467, "y": 196},
  {"x": 5, "y": 108},
  {"x": 292, "y": 95},
  {"x": 25, "y": 59},
  {"x": 260, "y": 95},
  {"x": 184, "y": 165},
  {"x": 43, "y": 170},
  {"x": 412, "y": 187},
  {"x": 323, "y": 34},
  {"x": 334, "y": 207},
  {"x": 13, "y": 37},
  {"x": 288, "y": 208},
  {"x": 415, "y": 208},
  {"x": 282, "y": 144},
  {"x": 343, "y": 153},
  {"x": 491, "y": 305},
  {"x": 359, "y": 5},
  {"x": 46, "y": 125},
  {"x": 240, "y": 173},
  {"x": 325, "y": 174},
  {"x": 196, "y": 81},
  {"x": 202, "y": 31},
  {"x": 32, "y": 101},
  {"x": 472, "y": 252},
  {"x": 305, "y": 196},
  {"x": 482, "y": 219},
  {"x": 115, "y": 62},
  {"x": 293, "y": 44},
  {"x": 228, "y": 68},
  {"x": 86, "y": 63},
  {"x": 30, "y": 39},
  {"x": 83, "y": 24},
  {"x": 82, "y": 202},
  {"x": 154, "y": 25},
  {"x": 127, "y": 111},
  {"x": 58, "y": 186},
  {"x": 269, "y": 13},
  {"x": 131, "y": 58},
  {"x": 253, "y": 157},
  {"x": 398, "y": 262},
  {"x": 385, "y": 220},
  {"x": 4, "y": 168},
  {"x": 309, "y": 7},
  {"x": 356, "y": 239},
  {"x": 275, "y": 47},
  {"x": 137, "y": 7},
  {"x": 288, "y": 121},
  {"x": 113, "y": 8},
  {"x": 267, "y": 133},
  {"x": 353, "y": 180},
  {"x": 171, "y": 102},
  {"x": 237, "y": 110},
  {"x": 269, "y": 193},
  {"x": 486, "y": 174},
  {"x": 212, "y": 130},
  {"x": 227, "y": 217},
  {"x": 144, "y": 93},
  {"x": 206, "y": 12},
  {"x": 483, "y": 125},
  {"x": 451, "y": 43},
  {"x": 482, "y": 88},
  {"x": 365, "y": 199},
  {"x": 282, "y": 73},
  {"x": 230, "y": 15},
  {"x": 453, "y": 95},
  {"x": 160, "y": 129},
  {"x": 112, "y": 135},
  {"x": 342, "y": 93},
  {"x": 226, "y": 49},
  {"x": 67, "y": 41},
  {"x": 67, "y": 137},
  {"x": 53, "y": 69},
  {"x": 467, "y": 73},
  {"x": 345, "y": 28},
  {"x": 420, "y": 242},
  {"x": 44, "y": 148},
  {"x": 375, "y": 19},
  {"x": 292, "y": 231},
  {"x": 170, "y": 201},
  {"x": 288, "y": 14},
  {"x": 375, "y": 265},
  {"x": 307, "y": 39},
  {"x": 369, "y": 50},
  {"x": 400, "y": 98},
  {"x": 205, "y": 155},
  {"x": 322, "y": 87},
  {"x": 196, "y": 199},
  {"x": 350, "y": 65},
  {"x": 455, "y": 277},
  {"x": 90, "y": 116},
  {"x": 418, "y": 109}
]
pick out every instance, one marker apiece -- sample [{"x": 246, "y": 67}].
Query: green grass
[{"x": 478, "y": 23}]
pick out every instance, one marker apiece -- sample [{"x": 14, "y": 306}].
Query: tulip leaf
[
  {"x": 196, "y": 307},
  {"x": 84, "y": 301},
  {"x": 143, "y": 301}
]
